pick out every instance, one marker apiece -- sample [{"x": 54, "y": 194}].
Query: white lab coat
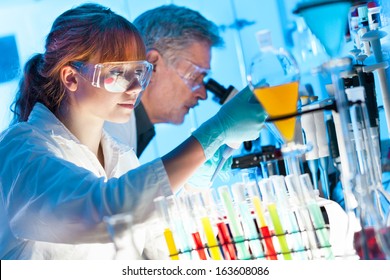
[
  {"x": 55, "y": 193},
  {"x": 125, "y": 133}
]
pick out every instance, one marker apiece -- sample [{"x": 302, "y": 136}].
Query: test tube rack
[{"x": 216, "y": 235}]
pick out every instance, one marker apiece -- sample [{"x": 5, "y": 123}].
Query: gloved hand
[
  {"x": 238, "y": 120},
  {"x": 202, "y": 176}
]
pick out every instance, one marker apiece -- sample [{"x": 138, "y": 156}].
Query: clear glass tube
[
  {"x": 162, "y": 209},
  {"x": 247, "y": 222},
  {"x": 347, "y": 156},
  {"x": 207, "y": 219},
  {"x": 180, "y": 231},
  {"x": 243, "y": 252},
  {"x": 302, "y": 240},
  {"x": 287, "y": 246}
]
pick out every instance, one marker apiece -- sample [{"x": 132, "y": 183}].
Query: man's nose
[{"x": 201, "y": 92}]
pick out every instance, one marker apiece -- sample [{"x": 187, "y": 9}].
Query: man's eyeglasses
[
  {"x": 192, "y": 75},
  {"x": 116, "y": 77}
]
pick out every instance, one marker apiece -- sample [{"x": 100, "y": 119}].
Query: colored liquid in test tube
[
  {"x": 228, "y": 249},
  {"x": 235, "y": 227},
  {"x": 289, "y": 219},
  {"x": 317, "y": 217},
  {"x": 303, "y": 187},
  {"x": 162, "y": 209},
  {"x": 199, "y": 247},
  {"x": 269, "y": 199},
  {"x": 173, "y": 252},
  {"x": 250, "y": 231},
  {"x": 212, "y": 241},
  {"x": 187, "y": 206},
  {"x": 366, "y": 243},
  {"x": 180, "y": 232},
  {"x": 297, "y": 201},
  {"x": 264, "y": 230},
  {"x": 202, "y": 214},
  {"x": 224, "y": 236}
]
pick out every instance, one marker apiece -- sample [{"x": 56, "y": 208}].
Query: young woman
[{"x": 61, "y": 174}]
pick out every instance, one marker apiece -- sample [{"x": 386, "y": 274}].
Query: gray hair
[{"x": 170, "y": 29}]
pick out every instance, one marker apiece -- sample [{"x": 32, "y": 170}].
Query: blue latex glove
[
  {"x": 201, "y": 178},
  {"x": 239, "y": 120}
]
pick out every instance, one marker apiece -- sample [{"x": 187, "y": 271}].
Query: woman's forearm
[{"x": 183, "y": 161}]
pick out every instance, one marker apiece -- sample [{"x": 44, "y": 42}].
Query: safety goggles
[
  {"x": 116, "y": 77},
  {"x": 191, "y": 74}
]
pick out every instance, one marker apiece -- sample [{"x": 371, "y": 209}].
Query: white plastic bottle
[{"x": 374, "y": 15}]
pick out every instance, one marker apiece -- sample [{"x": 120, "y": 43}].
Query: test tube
[
  {"x": 204, "y": 218},
  {"x": 288, "y": 217},
  {"x": 236, "y": 229},
  {"x": 368, "y": 157},
  {"x": 180, "y": 232},
  {"x": 162, "y": 209},
  {"x": 192, "y": 226},
  {"x": 261, "y": 221},
  {"x": 269, "y": 199},
  {"x": 224, "y": 235},
  {"x": 317, "y": 218},
  {"x": 367, "y": 150},
  {"x": 303, "y": 215},
  {"x": 250, "y": 231}
]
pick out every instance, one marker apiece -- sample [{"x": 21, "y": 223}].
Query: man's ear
[
  {"x": 69, "y": 78},
  {"x": 154, "y": 57}
]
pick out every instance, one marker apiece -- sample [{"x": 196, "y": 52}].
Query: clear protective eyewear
[
  {"x": 116, "y": 77},
  {"x": 191, "y": 74}
]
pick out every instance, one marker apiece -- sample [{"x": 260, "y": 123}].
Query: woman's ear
[{"x": 69, "y": 78}]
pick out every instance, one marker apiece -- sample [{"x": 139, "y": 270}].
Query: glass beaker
[{"x": 120, "y": 229}]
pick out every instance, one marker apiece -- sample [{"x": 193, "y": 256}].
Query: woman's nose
[{"x": 134, "y": 87}]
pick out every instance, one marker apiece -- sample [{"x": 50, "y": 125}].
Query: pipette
[
  {"x": 313, "y": 126},
  {"x": 222, "y": 95},
  {"x": 373, "y": 37},
  {"x": 310, "y": 137},
  {"x": 227, "y": 152},
  {"x": 323, "y": 151},
  {"x": 333, "y": 145},
  {"x": 323, "y": 166}
]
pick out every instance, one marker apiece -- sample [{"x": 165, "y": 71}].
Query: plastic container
[{"x": 374, "y": 16}]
